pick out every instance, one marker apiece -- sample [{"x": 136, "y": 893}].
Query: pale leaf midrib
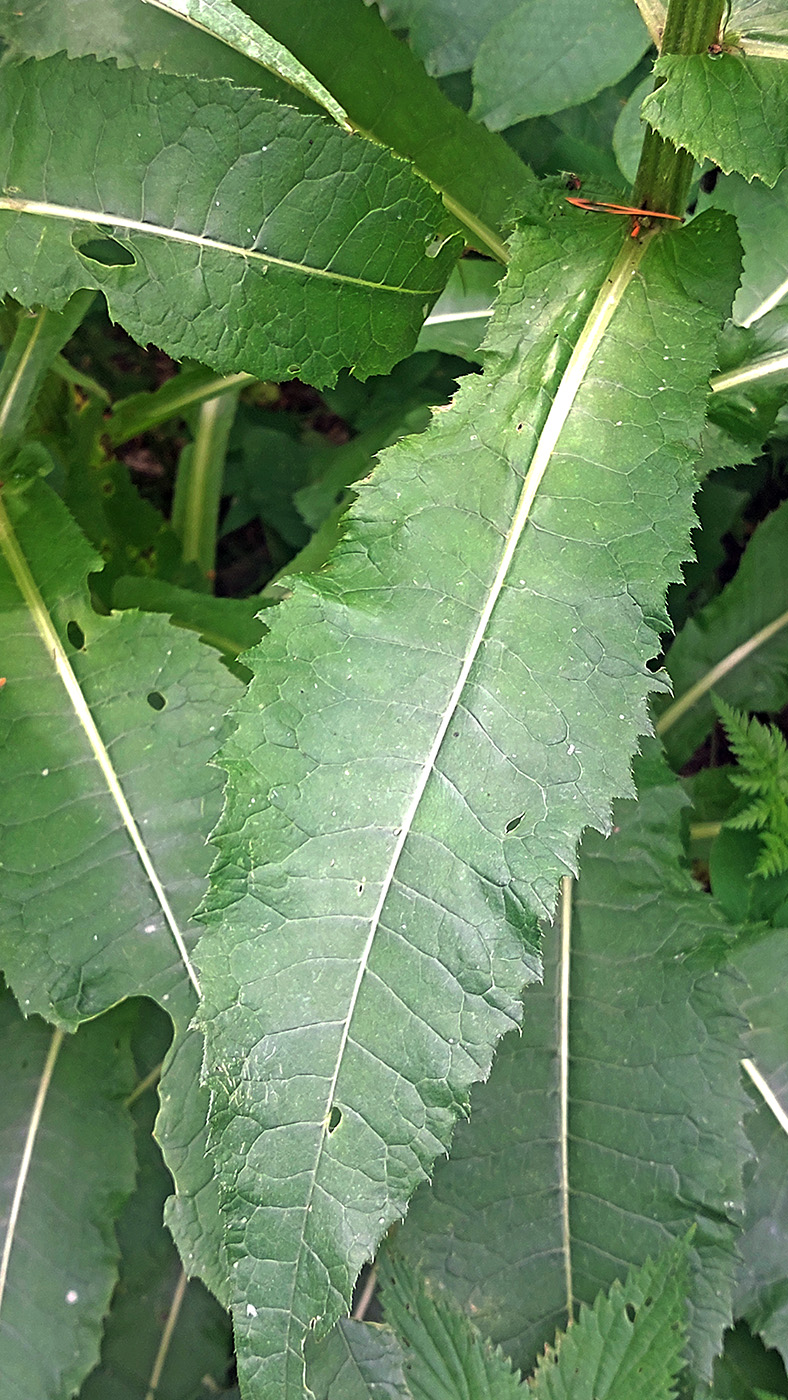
[
  {"x": 53, "y": 646},
  {"x": 27, "y": 1155},
  {"x": 42, "y": 210},
  {"x": 609, "y": 298}
]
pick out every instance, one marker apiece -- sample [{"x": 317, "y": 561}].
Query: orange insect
[{"x": 601, "y": 206}]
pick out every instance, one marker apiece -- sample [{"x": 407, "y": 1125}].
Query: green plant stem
[
  {"x": 195, "y": 509},
  {"x": 734, "y": 658},
  {"x": 36, "y": 345},
  {"x": 665, "y": 173}
]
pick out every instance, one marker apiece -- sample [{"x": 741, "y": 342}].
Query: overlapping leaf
[
  {"x": 61, "y": 1105},
  {"x": 108, "y": 727},
  {"x": 446, "y": 1358},
  {"x": 737, "y": 645},
  {"x": 432, "y": 722},
  {"x": 762, "y": 1295},
  {"x": 346, "y": 46},
  {"x": 628, "y": 1347},
  {"x": 551, "y": 1192},
  {"x": 218, "y": 225},
  {"x": 357, "y": 1361},
  {"x": 727, "y": 109}
]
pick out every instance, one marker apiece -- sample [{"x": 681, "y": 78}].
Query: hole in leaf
[
  {"x": 514, "y": 823},
  {"x": 334, "y": 1118},
  {"x": 75, "y": 635},
  {"x": 156, "y": 700},
  {"x": 648, "y": 1302},
  {"x": 630, "y": 1312},
  {"x": 106, "y": 251}
]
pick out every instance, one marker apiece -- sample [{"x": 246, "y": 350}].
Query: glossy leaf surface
[
  {"x": 635, "y": 1013},
  {"x": 218, "y": 225},
  {"x": 433, "y": 720}
]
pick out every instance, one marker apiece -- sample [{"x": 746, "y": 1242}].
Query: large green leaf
[
  {"x": 432, "y": 721},
  {"x": 346, "y": 45},
  {"x": 762, "y": 1297},
  {"x": 736, "y": 646},
  {"x": 66, "y": 1166},
  {"x": 218, "y": 225},
  {"x": 546, "y": 55},
  {"x": 103, "y": 860},
  {"x": 728, "y": 109},
  {"x": 614, "y": 1121}
]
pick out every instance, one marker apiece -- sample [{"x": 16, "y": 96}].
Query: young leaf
[
  {"x": 283, "y": 219},
  {"x": 61, "y": 1104},
  {"x": 726, "y": 109},
  {"x": 446, "y": 1358},
  {"x": 746, "y": 623},
  {"x": 762, "y": 776},
  {"x": 614, "y": 1118},
  {"x": 526, "y": 68},
  {"x": 628, "y": 1346},
  {"x": 357, "y": 1361},
  {"x": 432, "y": 721}
]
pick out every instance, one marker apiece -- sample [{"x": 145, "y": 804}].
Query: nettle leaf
[
  {"x": 61, "y": 1104},
  {"x": 628, "y": 1347},
  {"x": 357, "y": 1361},
  {"x": 615, "y": 1117},
  {"x": 762, "y": 1294},
  {"x": 727, "y": 109},
  {"x": 432, "y": 721},
  {"x": 737, "y": 646},
  {"x": 526, "y": 68},
  {"x": 446, "y": 1358},
  {"x": 218, "y": 225}
]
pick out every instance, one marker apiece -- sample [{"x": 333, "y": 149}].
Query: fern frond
[{"x": 762, "y": 776}]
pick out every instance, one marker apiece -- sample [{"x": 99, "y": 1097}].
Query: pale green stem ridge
[
  {"x": 768, "y": 304},
  {"x": 42, "y": 210},
  {"x": 690, "y": 697},
  {"x": 755, "y": 370},
  {"x": 653, "y": 13},
  {"x": 487, "y": 236},
  {"x": 198, "y": 489},
  {"x": 767, "y": 1094},
  {"x": 27, "y": 1154},
  {"x": 190, "y": 398},
  {"x": 12, "y": 393},
  {"x": 583, "y": 354},
  {"x": 54, "y": 648},
  {"x": 563, "y": 1086},
  {"x": 166, "y": 1337}
]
